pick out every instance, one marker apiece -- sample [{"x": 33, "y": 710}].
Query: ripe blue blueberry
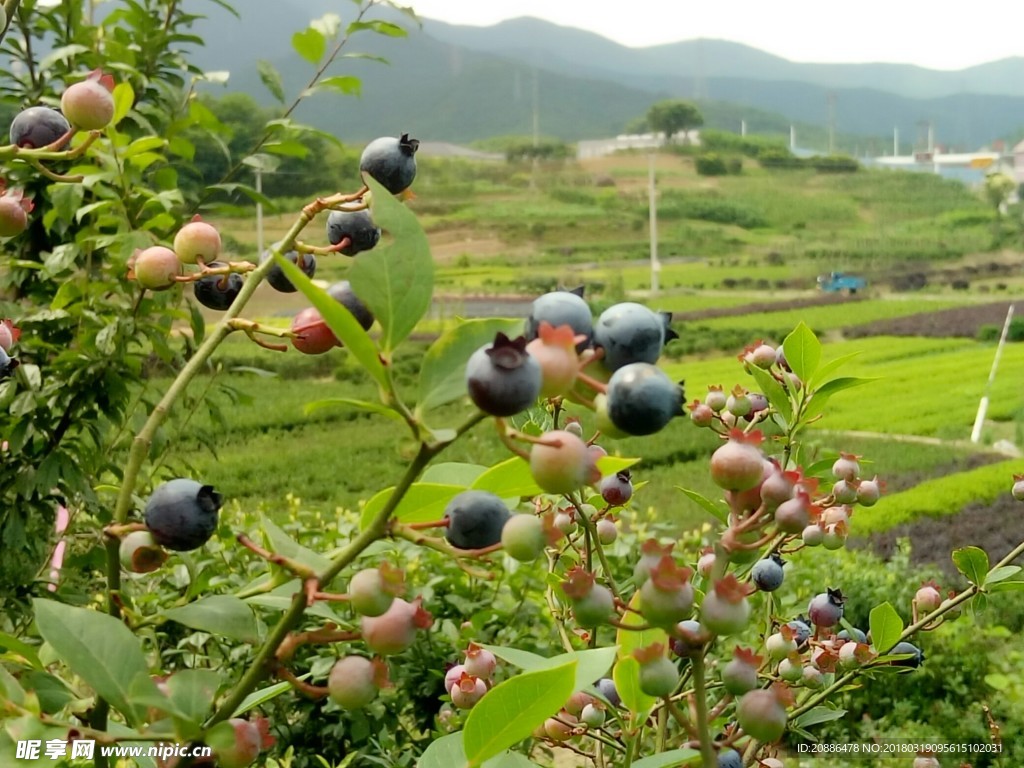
[
  {"x": 37, "y": 127},
  {"x": 391, "y": 161},
  {"x": 642, "y": 399},
  {"x": 606, "y": 687},
  {"x": 475, "y": 520},
  {"x": 357, "y": 226},
  {"x": 342, "y": 293},
  {"x": 730, "y": 758},
  {"x": 218, "y": 291},
  {"x": 182, "y": 514},
  {"x": 502, "y": 378},
  {"x": 631, "y": 333},
  {"x": 856, "y": 635},
  {"x": 7, "y": 365},
  {"x": 767, "y": 574},
  {"x": 561, "y": 308},
  {"x": 801, "y": 629},
  {"x": 914, "y": 661},
  {"x": 275, "y": 277}
]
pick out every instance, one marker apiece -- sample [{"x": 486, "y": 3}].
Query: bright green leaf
[
  {"x": 972, "y": 562},
  {"x": 819, "y": 715},
  {"x": 346, "y": 84},
  {"x": 395, "y": 280},
  {"x": 271, "y": 78},
  {"x": 771, "y": 389},
  {"x": 380, "y": 27},
  {"x": 629, "y": 640},
  {"x": 19, "y": 650},
  {"x": 423, "y": 503},
  {"x": 310, "y": 44},
  {"x": 260, "y": 697},
  {"x": 222, "y": 615},
  {"x": 124, "y": 98},
  {"x": 803, "y": 351},
  {"x": 592, "y": 664},
  {"x": 886, "y": 627},
  {"x": 670, "y": 759},
  {"x": 627, "y": 684},
  {"x": 366, "y": 405},
  {"x": 99, "y": 649},
  {"x": 453, "y": 473},
  {"x": 192, "y": 691},
  {"x": 609, "y": 465},
  {"x": 720, "y": 513},
  {"x": 523, "y": 659},
  {"x": 512, "y": 709},
  {"x": 1002, "y": 573},
  {"x": 443, "y": 370},
  {"x": 281, "y": 543},
  {"x": 830, "y": 367},
  {"x": 509, "y": 479}
]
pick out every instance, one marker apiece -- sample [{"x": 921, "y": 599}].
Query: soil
[
  {"x": 762, "y": 307},
  {"x": 959, "y": 321},
  {"x": 995, "y": 527}
]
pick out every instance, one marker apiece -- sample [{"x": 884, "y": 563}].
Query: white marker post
[
  {"x": 979, "y": 419},
  {"x": 652, "y": 198}
]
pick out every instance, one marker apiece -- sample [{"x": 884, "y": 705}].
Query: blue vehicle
[{"x": 837, "y": 281}]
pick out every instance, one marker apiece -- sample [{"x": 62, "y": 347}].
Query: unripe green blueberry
[
  {"x": 868, "y": 492},
  {"x": 355, "y": 681},
  {"x": 740, "y": 674},
  {"x": 779, "y": 646},
  {"x": 593, "y": 715},
  {"x": 738, "y": 465},
  {"x": 523, "y": 537},
  {"x": 813, "y": 535},
  {"x": 762, "y": 715},
  {"x": 725, "y": 610},
  {"x": 716, "y": 399},
  {"x": 658, "y": 677},
  {"x": 812, "y": 678},
  {"x": 372, "y": 592},
  {"x": 791, "y": 669},
  {"x": 834, "y": 536},
  {"x": 607, "y": 531},
  {"x": 559, "y": 462}
]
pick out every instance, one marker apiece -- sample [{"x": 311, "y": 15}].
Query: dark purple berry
[
  {"x": 182, "y": 514},
  {"x": 561, "y": 308},
  {"x": 502, "y": 378},
  {"x": 391, "y": 161},
  {"x": 475, "y": 520},
  {"x": 688, "y": 639},
  {"x": 826, "y": 609},
  {"x": 767, "y": 574},
  {"x": 642, "y": 399},
  {"x": 630, "y": 333},
  {"x": 218, "y": 291},
  {"x": 357, "y": 226},
  {"x": 275, "y": 277},
  {"x": 342, "y": 293},
  {"x": 617, "y": 489},
  {"x": 37, "y": 127}
]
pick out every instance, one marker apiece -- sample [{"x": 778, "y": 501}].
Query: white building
[{"x": 604, "y": 147}]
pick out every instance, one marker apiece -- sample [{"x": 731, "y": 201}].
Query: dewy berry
[
  {"x": 475, "y": 520},
  {"x": 768, "y": 574},
  {"x": 218, "y": 291},
  {"x": 561, "y": 308},
  {"x": 357, "y": 226},
  {"x": 38, "y": 127},
  {"x": 89, "y": 104},
  {"x": 631, "y": 333},
  {"x": 642, "y": 399},
  {"x": 197, "y": 242},
  {"x": 502, "y": 378},
  {"x": 355, "y": 681},
  {"x": 275, "y": 277},
  {"x": 154, "y": 268},
  {"x": 391, "y": 161},
  {"x": 182, "y": 514}
]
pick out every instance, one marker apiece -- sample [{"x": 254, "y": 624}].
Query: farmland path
[{"x": 1004, "y": 450}]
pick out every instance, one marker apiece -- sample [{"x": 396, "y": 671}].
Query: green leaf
[
  {"x": 609, "y": 465},
  {"x": 511, "y": 710},
  {"x": 803, "y": 351},
  {"x": 423, "y": 503},
  {"x": 447, "y": 752},
  {"x": 830, "y": 367},
  {"x": 310, "y": 44},
  {"x": 443, "y": 370},
  {"x": 1006, "y": 586},
  {"x": 366, "y": 405},
  {"x": 281, "y": 543},
  {"x": 145, "y": 144},
  {"x": 346, "y": 84},
  {"x": 260, "y": 697},
  {"x": 289, "y": 148},
  {"x": 819, "y": 715},
  {"x": 1002, "y": 573},
  {"x": 720, "y": 513},
  {"x": 271, "y": 78},
  {"x": 99, "y": 649},
  {"x": 453, "y": 473},
  {"x": 396, "y": 280},
  {"x": 668, "y": 759},
  {"x": 823, "y": 393},
  {"x": 17, "y": 650},
  {"x": 124, "y": 98},
  {"x": 627, "y": 683},
  {"x": 998, "y": 681},
  {"x": 509, "y": 479},
  {"x": 523, "y": 659},
  {"x": 592, "y": 664},
  {"x": 385, "y": 28},
  {"x": 771, "y": 389},
  {"x": 192, "y": 690},
  {"x": 886, "y": 627},
  {"x": 972, "y": 562},
  {"x": 10, "y": 688},
  {"x": 338, "y": 319},
  {"x": 222, "y": 615},
  {"x": 628, "y": 640}
]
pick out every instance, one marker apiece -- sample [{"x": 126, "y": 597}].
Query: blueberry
[
  {"x": 218, "y": 291},
  {"x": 357, "y": 226},
  {"x": 729, "y": 758},
  {"x": 561, "y": 308},
  {"x": 475, "y": 520},
  {"x": 502, "y": 378},
  {"x": 606, "y": 687},
  {"x": 903, "y": 648},
  {"x": 7, "y": 365},
  {"x": 631, "y": 333},
  {"x": 802, "y": 632},
  {"x": 391, "y": 161},
  {"x": 856, "y": 635},
  {"x": 767, "y": 574},
  {"x": 342, "y": 293},
  {"x": 826, "y": 609},
  {"x": 642, "y": 399},
  {"x": 275, "y": 277},
  {"x": 37, "y": 127},
  {"x": 182, "y": 514}
]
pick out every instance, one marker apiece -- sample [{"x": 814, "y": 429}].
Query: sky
[{"x": 932, "y": 35}]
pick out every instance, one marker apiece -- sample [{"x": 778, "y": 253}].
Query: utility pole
[
  {"x": 895, "y": 141},
  {"x": 536, "y": 130},
  {"x": 259, "y": 211},
  {"x": 979, "y": 419},
  {"x": 831, "y": 122},
  {"x": 652, "y": 204}
]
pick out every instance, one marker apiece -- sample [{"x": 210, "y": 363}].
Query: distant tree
[
  {"x": 674, "y": 115},
  {"x": 998, "y": 187},
  {"x": 637, "y": 125}
]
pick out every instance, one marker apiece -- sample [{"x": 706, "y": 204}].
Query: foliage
[{"x": 673, "y": 116}]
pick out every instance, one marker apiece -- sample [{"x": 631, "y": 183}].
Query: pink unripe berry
[
  {"x": 846, "y": 467},
  {"x": 480, "y": 662},
  {"x": 701, "y": 414},
  {"x": 868, "y": 492},
  {"x": 467, "y": 691},
  {"x": 812, "y": 678},
  {"x": 716, "y": 399},
  {"x": 248, "y": 741},
  {"x": 926, "y": 761},
  {"x": 453, "y": 675},
  {"x": 705, "y": 564},
  {"x": 838, "y": 514},
  {"x": 761, "y": 356},
  {"x": 928, "y": 598},
  {"x": 762, "y": 715},
  {"x": 835, "y": 536},
  {"x": 555, "y": 350},
  {"x": 559, "y": 462},
  {"x": 617, "y": 489},
  {"x": 576, "y": 703},
  {"x": 313, "y": 336},
  {"x": 813, "y": 535},
  {"x": 197, "y": 241},
  {"x": 607, "y": 531},
  {"x": 738, "y": 465},
  {"x": 394, "y": 630},
  {"x": 9, "y": 334},
  {"x": 89, "y": 104},
  {"x": 826, "y": 609},
  {"x": 354, "y": 681},
  {"x": 154, "y": 268},
  {"x": 565, "y": 522},
  {"x": 845, "y": 492},
  {"x": 560, "y": 729},
  {"x": 14, "y": 210}
]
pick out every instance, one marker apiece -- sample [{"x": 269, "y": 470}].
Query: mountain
[{"x": 459, "y": 83}]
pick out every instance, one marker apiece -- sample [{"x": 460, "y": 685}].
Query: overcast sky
[{"x": 930, "y": 34}]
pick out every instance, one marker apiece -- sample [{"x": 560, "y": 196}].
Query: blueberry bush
[{"x": 466, "y": 615}]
